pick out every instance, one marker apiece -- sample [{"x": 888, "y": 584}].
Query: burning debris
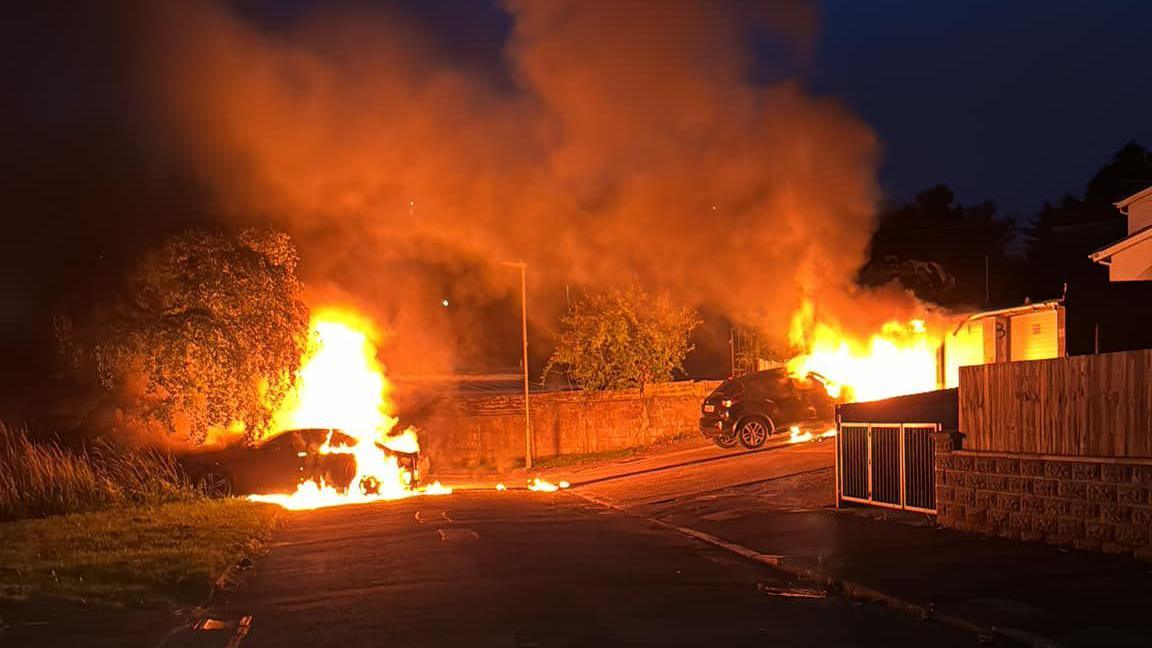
[
  {"x": 543, "y": 486},
  {"x": 796, "y": 435},
  {"x": 342, "y": 386}
]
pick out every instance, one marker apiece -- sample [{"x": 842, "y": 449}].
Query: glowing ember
[
  {"x": 796, "y": 436},
  {"x": 436, "y": 488},
  {"x": 900, "y": 359},
  {"x": 563, "y": 484},
  {"x": 501, "y": 487},
  {"x": 342, "y": 386},
  {"x": 539, "y": 485}
]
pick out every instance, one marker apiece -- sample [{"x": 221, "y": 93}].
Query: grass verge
[{"x": 134, "y": 555}]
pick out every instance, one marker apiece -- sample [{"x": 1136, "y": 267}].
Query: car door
[{"x": 274, "y": 467}]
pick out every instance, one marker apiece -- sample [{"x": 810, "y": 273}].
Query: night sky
[{"x": 1017, "y": 102}]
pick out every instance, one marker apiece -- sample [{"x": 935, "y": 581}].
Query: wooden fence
[{"x": 1096, "y": 405}]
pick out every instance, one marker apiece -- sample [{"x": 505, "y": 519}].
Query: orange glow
[
  {"x": 796, "y": 436},
  {"x": 900, "y": 359},
  {"x": 541, "y": 486},
  {"x": 342, "y": 386}
]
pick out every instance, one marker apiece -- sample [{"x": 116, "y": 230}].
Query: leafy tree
[
  {"x": 1063, "y": 234},
  {"x": 938, "y": 248},
  {"x": 751, "y": 346},
  {"x": 623, "y": 339},
  {"x": 207, "y": 334}
]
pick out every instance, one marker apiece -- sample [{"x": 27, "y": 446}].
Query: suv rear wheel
[
  {"x": 754, "y": 431},
  {"x": 727, "y": 439}
]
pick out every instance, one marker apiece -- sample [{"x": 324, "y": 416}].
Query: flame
[
  {"x": 541, "y": 486},
  {"x": 900, "y": 359},
  {"x": 436, "y": 488},
  {"x": 342, "y": 386},
  {"x": 797, "y": 436}
]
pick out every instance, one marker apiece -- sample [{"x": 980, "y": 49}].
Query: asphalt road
[
  {"x": 681, "y": 480},
  {"x": 520, "y": 569}
]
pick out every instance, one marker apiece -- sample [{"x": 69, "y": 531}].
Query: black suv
[{"x": 750, "y": 408}]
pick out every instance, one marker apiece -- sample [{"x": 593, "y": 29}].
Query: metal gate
[{"x": 887, "y": 464}]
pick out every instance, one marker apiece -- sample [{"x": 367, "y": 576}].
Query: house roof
[
  {"x": 1144, "y": 194},
  {"x": 1107, "y": 252},
  {"x": 1013, "y": 310}
]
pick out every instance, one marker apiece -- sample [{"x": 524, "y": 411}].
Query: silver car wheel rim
[{"x": 754, "y": 433}]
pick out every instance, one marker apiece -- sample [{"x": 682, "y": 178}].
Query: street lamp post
[{"x": 524, "y": 359}]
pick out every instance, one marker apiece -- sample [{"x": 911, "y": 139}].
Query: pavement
[{"x": 1016, "y": 592}]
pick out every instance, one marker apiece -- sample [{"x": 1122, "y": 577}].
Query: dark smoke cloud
[{"x": 631, "y": 147}]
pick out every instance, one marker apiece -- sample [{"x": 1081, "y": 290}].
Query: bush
[{"x": 39, "y": 478}]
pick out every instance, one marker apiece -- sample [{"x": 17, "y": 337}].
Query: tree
[
  {"x": 1063, "y": 234},
  {"x": 623, "y": 339},
  {"x": 207, "y": 334},
  {"x": 938, "y": 248},
  {"x": 752, "y": 345}
]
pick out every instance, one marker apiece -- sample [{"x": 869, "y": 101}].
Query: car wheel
[
  {"x": 726, "y": 440},
  {"x": 215, "y": 485},
  {"x": 753, "y": 432}
]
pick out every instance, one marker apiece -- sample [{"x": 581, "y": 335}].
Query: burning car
[
  {"x": 748, "y": 409},
  {"x": 282, "y": 463}
]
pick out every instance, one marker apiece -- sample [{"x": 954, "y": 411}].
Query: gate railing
[{"x": 887, "y": 464}]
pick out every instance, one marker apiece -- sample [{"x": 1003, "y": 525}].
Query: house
[{"x": 1130, "y": 258}]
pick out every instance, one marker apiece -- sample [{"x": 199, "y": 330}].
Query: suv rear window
[
  {"x": 729, "y": 389},
  {"x": 771, "y": 384}
]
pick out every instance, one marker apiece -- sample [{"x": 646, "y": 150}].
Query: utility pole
[
  {"x": 732, "y": 351},
  {"x": 524, "y": 358}
]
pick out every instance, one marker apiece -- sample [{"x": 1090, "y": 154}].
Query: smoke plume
[{"x": 624, "y": 142}]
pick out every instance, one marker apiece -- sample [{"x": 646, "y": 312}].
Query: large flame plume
[
  {"x": 900, "y": 358},
  {"x": 342, "y": 386}
]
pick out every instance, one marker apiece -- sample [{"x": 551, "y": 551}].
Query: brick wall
[
  {"x": 487, "y": 432},
  {"x": 1094, "y": 503}
]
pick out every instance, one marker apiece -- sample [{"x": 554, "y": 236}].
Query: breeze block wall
[
  {"x": 487, "y": 432},
  {"x": 1093, "y": 503}
]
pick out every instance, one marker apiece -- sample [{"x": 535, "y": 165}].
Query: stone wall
[
  {"x": 1094, "y": 503},
  {"x": 487, "y": 432}
]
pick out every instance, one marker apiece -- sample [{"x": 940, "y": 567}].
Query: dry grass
[{"x": 39, "y": 477}]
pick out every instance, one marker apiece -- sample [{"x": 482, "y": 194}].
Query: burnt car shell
[
  {"x": 276, "y": 465},
  {"x": 771, "y": 398}
]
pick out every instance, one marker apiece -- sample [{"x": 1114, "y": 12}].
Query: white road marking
[{"x": 456, "y": 534}]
